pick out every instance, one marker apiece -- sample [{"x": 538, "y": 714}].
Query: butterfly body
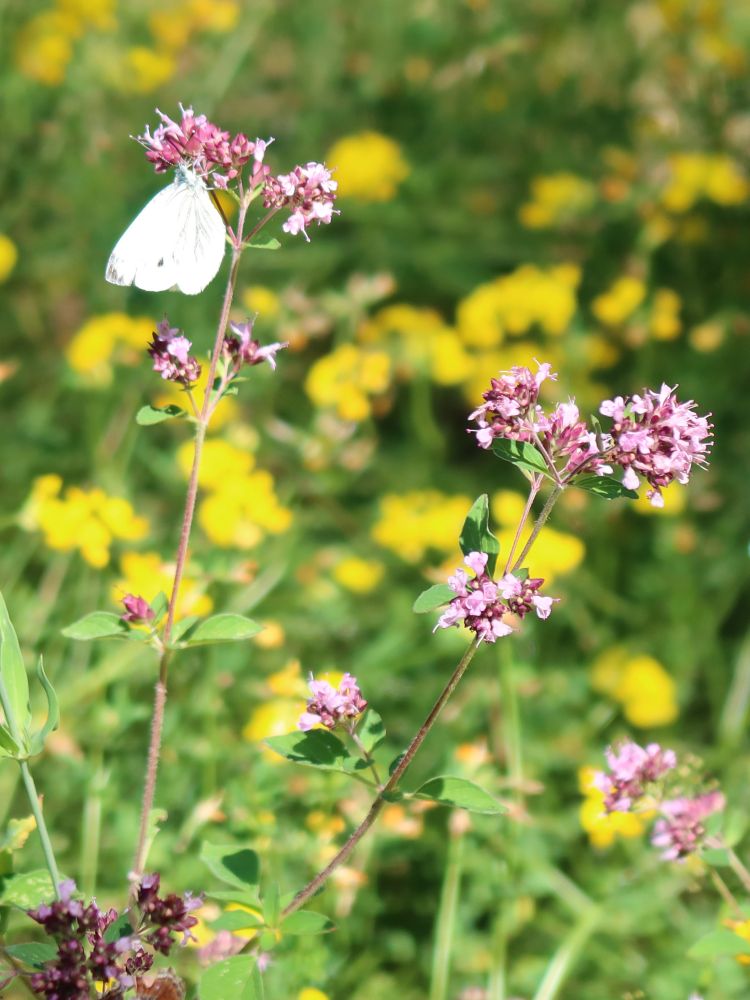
[
  {"x": 176, "y": 241},
  {"x": 166, "y": 985}
]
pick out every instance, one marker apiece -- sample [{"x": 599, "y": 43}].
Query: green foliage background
[{"x": 482, "y": 98}]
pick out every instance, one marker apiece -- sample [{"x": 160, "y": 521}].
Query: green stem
[
  {"x": 538, "y": 525},
  {"x": 92, "y": 825},
  {"x": 739, "y": 869},
  {"x": 567, "y": 954},
  {"x": 511, "y": 729},
  {"x": 367, "y": 758},
  {"x": 446, "y": 918},
  {"x": 36, "y": 808}
]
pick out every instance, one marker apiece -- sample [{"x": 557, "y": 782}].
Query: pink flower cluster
[
  {"x": 308, "y": 191},
  {"x": 242, "y": 349},
  {"x": 632, "y": 769},
  {"x": 480, "y": 602},
  {"x": 204, "y": 147},
  {"x": 632, "y": 781},
  {"x": 511, "y": 411},
  {"x": 169, "y": 352},
  {"x": 329, "y": 705},
  {"x": 656, "y": 438}
]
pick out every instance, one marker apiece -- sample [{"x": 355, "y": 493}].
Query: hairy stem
[
  {"x": 534, "y": 488},
  {"x": 390, "y": 786},
  {"x": 160, "y": 693}
]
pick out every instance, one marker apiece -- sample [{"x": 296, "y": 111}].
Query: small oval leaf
[
  {"x": 604, "y": 486},
  {"x": 433, "y": 597},
  {"x": 316, "y": 748},
  {"x": 238, "y": 866},
  {"x": 460, "y": 793},
  {"x": 476, "y": 535},
  {"x": 230, "y": 978},
  {"x": 221, "y": 628},
  {"x": 307, "y": 922},
  {"x": 149, "y": 415},
  {"x": 522, "y": 454},
  {"x": 97, "y": 625}
]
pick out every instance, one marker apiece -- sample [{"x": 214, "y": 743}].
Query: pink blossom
[
  {"x": 329, "y": 705},
  {"x": 656, "y": 438},
  {"x": 632, "y": 769},
  {"x": 308, "y": 191},
  {"x": 169, "y": 352},
  {"x": 243, "y": 349},
  {"x": 137, "y": 610},
  {"x": 509, "y": 405},
  {"x": 680, "y": 831},
  {"x": 521, "y": 596}
]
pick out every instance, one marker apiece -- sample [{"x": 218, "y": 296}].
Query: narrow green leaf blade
[
  {"x": 316, "y": 748},
  {"x": 432, "y": 598},
  {"x": 459, "y": 793},
  {"x": 719, "y": 942},
  {"x": 53, "y": 711},
  {"x": 605, "y": 486},
  {"x": 8, "y": 746},
  {"x": 15, "y": 683},
  {"x": 371, "y": 731},
  {"x": 33, "y": 953},
  {"x": 221, "y": 628},
  {"x": 521, "y": 454},
  {"x": 149, "y": 415},
  {"x": 307, "y": 922},
  {"x": 476, "y": 535},
  {"x": 237, "y": 866},
  {"x": 272, "y": 244},
  {"x": 97, "y": 625}
]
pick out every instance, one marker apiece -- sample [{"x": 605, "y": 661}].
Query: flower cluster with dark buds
[
  {"x": 656, "y": 438},
  {"x": 635, "y": 780},
  {"x": 206, "y": 149},
  {"x": 241, "y": 349},
  {"x": 169, "y": 352},
  {"x": 481, "y": 603},
  {"x": 309, "y": 192},
  {"x": 137, "y": 610},
  {"x": 85, "y": 954},
  {"x": 330, "y": 706},
  {"x": 653, "y": 436}
]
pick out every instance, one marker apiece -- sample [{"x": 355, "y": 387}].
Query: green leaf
[
  {"x": 97, "y": 625},
  {"x": 221, "y": 628},
  {"x": 235, "y": 896},
  {"x": 521, "y": 454},
  {"x": 433, "y": 597},
  {"x": 272, "y": 904},
  {"x": 28, "y": 890},
  {"x": 306, "y": 922},
  {"x": 8, "y": 746},
  {"x": 272, "y": 244},
  {"x": 316, "y": 748},
  {"x": 476, "y": 535},
  {"x": 604, "y": 486},
  {"x": 237, "y": 920},
  {"x": 53, "y": 711},
  {"x": 717, "y": 857},
  {"x": 238, "y": 866},
  {"x": 33, "y": 953},
  {"x": 719, "y": 942},
  {"x": 149, "y": 415},
  {"x": 14, "y": 684},
  {"x": 159, "y": 606},
  {"x": 119, "y": 929},
  {"x": 233, "y": 977},
  {"x": 371, "y": 731},
  {"x": 460, "y": 793},
  {"x": 182, "y": 627}
]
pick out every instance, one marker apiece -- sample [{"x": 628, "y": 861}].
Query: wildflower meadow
[{"x": 374, "y": 530}]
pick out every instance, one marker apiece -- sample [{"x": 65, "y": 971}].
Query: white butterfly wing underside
[{"x": 176, "y": 240}]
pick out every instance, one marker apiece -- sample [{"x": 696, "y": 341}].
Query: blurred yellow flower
[
  {"x": 514, "y": 303},
  {"x": 145, "y": 69},
  {"x": 220, "y": 461},
  {"x": 603, "y": 828},
  {"x": 8, "y": 256},
  {"x": 674, "y": 502},
  {"x": 106, "y": 339},
  {"x": 742, "y": 929},
  {"x": 88, "y": 520},
  {"x": 170, "y": 392},
  {"x": 664, "y": 321},
  {"x": 146, "y": 574},
  {"x": 288, "y": 682},
  {"x": 347, "y": 379},
  {"x": 44, "y": 46},
  {"x": 641, "y": 685},
  {"x": 556, "y": 198},
  {"x": 554, "y": 552},
  {"x": 717, "y": 177},
  {"x": 707, "y": 337},
  {"x": 274, "y": 718},
  {"x": 218, "y": 16},
  {"x": 272, "y": 636},
  {"x": 412, "y": 523},
  {"x": 358, "y": 575},
  {"x": 97, "y": 13},
  {"x": 310, "y": 993},
  {"x": 620, "y": 300},
  {"x": 261, "y": 300},
  {"x": 368, "y": 166},
  {"x": 240, "y": 511}
]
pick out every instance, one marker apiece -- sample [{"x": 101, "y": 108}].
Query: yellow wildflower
[
  {"x": 145, "y": 70},
  {"x": 412, "y": 523},
  {"x": 693, "y": 176},
  {"x": 219, "y": 16},
  {"x": 170, "y": 392},
  {"x": 368, "y": 166},
  {"x": 262, "y": 300},
  {"x": 8, "y": 256},
  {"x": 664, "y": 321},
  {"x": 288, "y": 682},
  {"x": 171, "y": 28},
  {"x": 707, "y": 337},
  {"x": 44, "y": 46},
  {"x": 241, "y": 510},
  {"x": 347, "y": 379},
  {"x": 358, "y": 575},
  {"x": 97, "y": 13},
  {"x": 146, "y": 574},
  {"x": 556, "y": 198},
  {"x": 620, "y": 300},
  {"x": 311, "y": 993},
  {"x": 647, "y": 693},
  {"x": 272, "y": 636},
  {"x": 674, "y": 502},
  {"x": 88, "y": 520},
  {"x": 421, "y": 340},
  {"x": 274, "y": 718},
  {"x": 603, "y": 828},
  {"x": 742, "y": 929},
  {"x": 554, "y": 552},
  {"x": 220, "y": 461},
  {"x": 106, "y": 339}
]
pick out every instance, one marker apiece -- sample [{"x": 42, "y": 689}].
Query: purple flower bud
[
  {"x": 169, "y": 352},
  {"x": 243, "y": 350},
  {"x": 330, "y": 706},
  {"x": 137, "y": 610}
]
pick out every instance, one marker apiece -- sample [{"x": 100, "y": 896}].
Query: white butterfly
[{"x": 176, "y": 241}]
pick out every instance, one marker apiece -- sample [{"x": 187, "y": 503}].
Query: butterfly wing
[{"x": 177, "y": 240}]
